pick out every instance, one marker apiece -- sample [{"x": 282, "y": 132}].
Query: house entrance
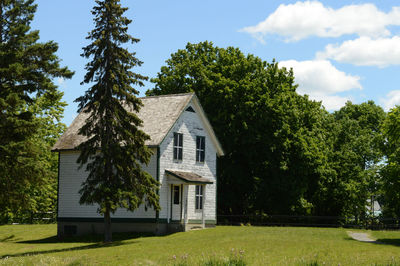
[{"x": 176, "y": 202}]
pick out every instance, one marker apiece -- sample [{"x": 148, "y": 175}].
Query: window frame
[
  {"x": 178, "y": 146},
  {"x": 200, "y": 149},
  {"x": 199, "y": 197}
]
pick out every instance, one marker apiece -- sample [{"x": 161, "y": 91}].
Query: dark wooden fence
[{"x": 312, "y": 221}]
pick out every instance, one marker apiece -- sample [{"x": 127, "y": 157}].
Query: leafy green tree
[
  {"x": 48, "y": 112},
  {"x": 391, "y": 170},
  {"x": 270, "y": 134},
  {"x": 369, "y": 118},
  {"x": 115, "y": 148},
  {"x": 27, "y": 96},
  {"x": 355, "y": 151}
]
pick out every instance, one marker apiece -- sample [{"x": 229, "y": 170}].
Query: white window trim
[
  {"x": 199, "y": 197},
  {"x": 199, "y": 150},
  {"x": 177, "y": 147},
  {"x": 179, "y": 194}
]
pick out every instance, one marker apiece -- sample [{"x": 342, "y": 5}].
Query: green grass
[{"x": 246, "y": 245}]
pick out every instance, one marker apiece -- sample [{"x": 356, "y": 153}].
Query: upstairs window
[
  {"x": 199, "y": 197},
  {"x": 200, "y": 148},
  {"x": 178, "y": 146}
]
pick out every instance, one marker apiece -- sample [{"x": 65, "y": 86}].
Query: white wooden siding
[
  {"x": 191, "y": 126},
  {"x": 71, "y": 179}
]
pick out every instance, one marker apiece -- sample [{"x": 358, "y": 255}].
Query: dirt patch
[{"x": 363, "y": 237}]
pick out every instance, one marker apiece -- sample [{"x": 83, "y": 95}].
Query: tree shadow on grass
[
  {"x": 7, "y": 238},
  {"x": 96, "y": 241},
  {"x": 379, "y": 241},
  {"x": 41, "y": 252},
  {"x": 117, "y": 237},
  {"x": 389, "y": 241}
]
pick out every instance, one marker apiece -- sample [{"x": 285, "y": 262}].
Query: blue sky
[{"x": 339, "y": 50}]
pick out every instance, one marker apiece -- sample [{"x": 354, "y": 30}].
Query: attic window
[{"x": 190, "y": 109}]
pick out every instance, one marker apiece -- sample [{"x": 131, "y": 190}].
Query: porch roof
[{"x": 189, "y": 177}]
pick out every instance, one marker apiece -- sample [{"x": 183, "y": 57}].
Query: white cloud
[
  {"x": 365, "y": 51},
  {"x": 392, "y": 99},
  {"x": 331, "y": 102},
  {"x": 311, "y": 18},
  {"x": 321, "y": 81},
  {"x": 60, "y": 81}
]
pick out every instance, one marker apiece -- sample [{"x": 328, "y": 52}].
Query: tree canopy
[
  {"x": 265, "y": 127},
  {"x": 284, "y": 154},
  {"x": 30, "y": 111},
  {"x": 354, "y": 138},
  {"x": 391, "y": 168}
]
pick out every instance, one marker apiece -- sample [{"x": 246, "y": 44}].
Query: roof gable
[
  {"x": 203, "y": 117},
  {"x": 158, "y": 113}
]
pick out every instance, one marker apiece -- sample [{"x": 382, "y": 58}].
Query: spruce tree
[
  {"x": 28, "y": 96},
  {"x": 115, "y": 148}
]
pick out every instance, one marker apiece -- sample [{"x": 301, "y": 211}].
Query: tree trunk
[{"x": 107, "y": 227}]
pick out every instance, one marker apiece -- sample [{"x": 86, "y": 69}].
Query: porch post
[
  {"x": 182, "y": 215},
  {"x": 203, "y": 220},
  {"x": 186, "y": 205},
  {"x": 169, "y": 203}
]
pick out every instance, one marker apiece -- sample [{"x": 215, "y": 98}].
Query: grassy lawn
[{"x": 37, "y": 245}]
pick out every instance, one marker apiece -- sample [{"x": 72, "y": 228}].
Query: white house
[{"x": 185, "y": 150}]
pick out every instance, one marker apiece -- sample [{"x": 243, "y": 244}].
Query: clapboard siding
[
  {"x": 162, "y": 116},
  {"x": 71, "y": 179},
  {"x": 190, "y": 125}
]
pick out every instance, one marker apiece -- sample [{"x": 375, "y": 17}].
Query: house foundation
[{"x": 80, "y": 227}]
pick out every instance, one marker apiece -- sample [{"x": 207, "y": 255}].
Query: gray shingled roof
[
  {"x": 158, "y": 114},
  {"x": 189, "y": 177}
]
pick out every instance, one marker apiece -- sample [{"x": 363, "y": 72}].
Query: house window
[
  {"x": 200, "y": 148},
  {"x": 178, "y": 146},
  {"x": 199, "y": 197},
  {"x": 176, "y": 195}
]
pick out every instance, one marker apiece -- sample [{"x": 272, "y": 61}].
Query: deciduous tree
[
  {"x": 391, "y": 170},
  {"x": 355, "y": 140},
  {"x": 269, "y": 133}
]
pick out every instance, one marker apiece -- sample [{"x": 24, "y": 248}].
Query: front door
[{"x": 176, "y": 202}]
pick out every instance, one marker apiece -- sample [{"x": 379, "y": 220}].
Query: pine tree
[
  {"x": 27, "y": 95},
  {"x": 115, "y": 148}
]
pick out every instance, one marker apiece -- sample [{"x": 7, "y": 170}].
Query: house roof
[
  {"x": 158, "y": 113},
  {"x": 189, "y": 177}
]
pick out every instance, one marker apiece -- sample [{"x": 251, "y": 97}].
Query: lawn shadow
[
  {"x": 389, "y": 241},
  {"x": 7, "y": 238},
  {"x": 93, "y": 238},
  {"x": 348, "y": 238},
  {"x": 41, "y": 252},
  {"x": 96, "y": 240},
  {"x": 380, "y": 241}
]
